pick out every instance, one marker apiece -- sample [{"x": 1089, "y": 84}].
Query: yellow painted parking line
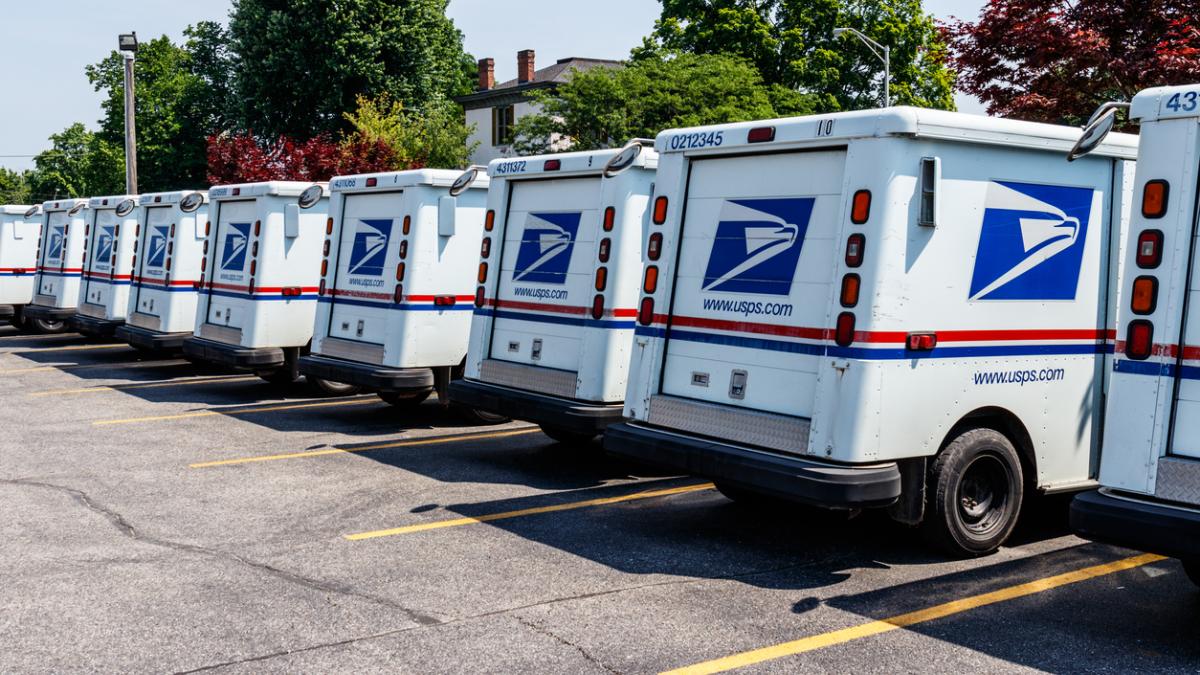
[
  {"x": 570, "y": 506},
  {"x": 223, "y": 379},
  {"x": 239, "y": 411},
  {"x": 365, "y": 448},
  {"x": 70, "y": 348},
  {"x": 94, "y": 366},
  {"x": 951, "y": 608}
]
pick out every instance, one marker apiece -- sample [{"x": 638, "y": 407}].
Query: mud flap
[{"x": 910, "y": 508}]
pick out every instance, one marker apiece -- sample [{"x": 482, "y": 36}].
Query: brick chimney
[
  {"x": 525, "y": 66},
  {"x": 487, "y": 74}
]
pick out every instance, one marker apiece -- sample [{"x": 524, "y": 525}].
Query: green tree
[
  {"x": 301, "y": 63},
  {"x": 791, "y": 43},
  {"x": 79, "y": 163},
  {"x": 434, "y": 136},
  {"x": 605, "y": 107},
  {"x": 14, "y": 187}
]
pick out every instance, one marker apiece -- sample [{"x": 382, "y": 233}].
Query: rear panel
[
  {"x": 165, "y": 299},
  {"x": 107, "y": 269},
  {"x": 226, "y": 302},
  {"x": 61, "y": 262},
  {"x": 371, "y": 235},
  {"x": 18, "y": 258}
]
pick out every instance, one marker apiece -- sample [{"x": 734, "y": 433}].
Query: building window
[{"x": 503, "y": 119}]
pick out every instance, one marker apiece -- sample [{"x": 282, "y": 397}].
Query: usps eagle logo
[
  {"x": 369, "y": 250},
  {"x": 156, "y": 248},
  {"x": 1032, "y": 241},
  {"x": 233, "y": 256},
  {"x": 55, "y": 244},
  {"x": 546, "y": 246},
  {"x": 757, "y": 245},
  {"x": 104, "y": 244}
]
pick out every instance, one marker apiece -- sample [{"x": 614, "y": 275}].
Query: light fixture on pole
[
  {"x": 884, "y": 54},
  {"x": 127, "y": 43}
]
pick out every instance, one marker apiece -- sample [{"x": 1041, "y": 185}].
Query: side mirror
[
  {"x": 291, "y": 221},
  {"x": 447, "y": 206},
  {"x": 1094, "y": 133}
]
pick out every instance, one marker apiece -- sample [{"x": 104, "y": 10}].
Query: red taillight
[
  {"x": 650, "y": 283},
  {"x": 400, "y": 272},
  {"x": 407, "y": 225},
  {"x": 552, "y": 165},
  {"x": 1145, "y": 295},
  {"x": 403, "y": 249},
  {"x": 654, "y": 248},
  {"x": 171, "y": 248},
  {"x": 660, "y": 210},
  {"x": 329, "y": 226},
  {"x": 250, "y": 288},
  {"x": 598, "y": 307},
  {"x": 844, "y": 335},
  {"x": 208, "y": 227},
  {"x": 172, "y": 230},
  {"x": 399, "y": 294},
  {"x": 483, "y": 269},
  {"x": 137, "y": 230},
  {"x": 489, "y": 221},
  {"x": 601, "y": 278},
  {"x": 372, "y": 182},
  {"x": 921, "y": 342},
  {"x": 610, "y": 218},
  {"x": 325, "y": 250},
  {"x": 257, "y": 228},
  {"x": 605, "y": 249},
  {"x": 761, "y": 135},
  {"x": 203, "y": 264},
  {"x": 1139, "y": 340},
  {"x": 485, "y": 249},
  {"x": 321, "y": 288},
  {"x": 860, "y": 207},
  {"x": 324, "y": 267},
  {"x": 479, "y": 297},
  {"x": 290, "y": 292},
  {"x": 236, "y": 192},
  {"x": 1154, "y": 198},
  {"x": 646, "y": 312},
  {"x": 851, "y": 283},
  {"x": 856, "y": 244},
  {"x": 1149, "y": 249},
  {"x": 444, "y": 301},
  {"x": 117, "y": 231},
  {"x": 168, "y": 264},
  {"x": 254, "y": 267}
]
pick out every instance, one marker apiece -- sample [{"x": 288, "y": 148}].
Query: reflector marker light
[
  {"x": 1154, "y": 198},
  {"x": 329, "y": 226},
  {"x": 921, "y": 342},
  {"x": 860, "y": 207},
  {"x": 1139, "y": 340},
  {"x": 290, "y": 292},
  {"x": 660, "y": 210},
  {"x": 552, "y": 165},
  {"x": 407, "y": 224},
  {"x": 650, "y": 284},
  {"x": 610, "y": 218},
  {"x": 851, "y": 284},
  {"x": 400, "y": 272},
  {"x": 1145, "y": 295},
  {"x": 489, "y": 221},
  {"x": 444, "y": 300},
  {"x": 1149, "y": 249},
  {"x": 257, "y": 227},
  {"x": 254, "y": 267},
  {"x": 483, "y": 270},
  {"x": 372, "y": 182},
  {"x": 601, "y": 278},
  {"x": 324, "y": 267}
]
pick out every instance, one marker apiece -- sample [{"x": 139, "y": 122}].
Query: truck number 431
[{"x": 1185, "y": 101}]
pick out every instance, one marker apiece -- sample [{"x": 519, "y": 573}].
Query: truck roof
[
  {"x": 172, "y": 197},
  {"x": 13, "y": 209},
  {"x": 903, "y": 121},
  {"x": 62, "y": 204},
  {"x": 1159, "y": 103},
  {"x": 271, "y": 188},
  {"x": 581, "y": 162},
  {"x": 390, "y": 180},
  {"x": 109, "y": 201}
]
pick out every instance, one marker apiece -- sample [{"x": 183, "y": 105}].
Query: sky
[{"x": 495, "y": 28}]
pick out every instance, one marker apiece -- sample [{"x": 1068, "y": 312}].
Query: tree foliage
[
  {"x": 605, "y": 107},
  {"x": 244, "y": 158},
  {"x": 433, "y": 136},
  {"x": 791, "y": 44},
  {"x": 1057, "y": 60},
  {"x": 301, "y": 63},
  {"x": 14, "y": 187},
  {"x": 79, "y": 163}
]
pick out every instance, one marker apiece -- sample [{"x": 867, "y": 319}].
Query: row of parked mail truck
[{"x": 925, "y": 312}]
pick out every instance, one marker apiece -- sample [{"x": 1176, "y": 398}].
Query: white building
[{"x": 495, "y": 108}]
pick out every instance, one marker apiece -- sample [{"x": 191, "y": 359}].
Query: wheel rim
[{"x": 982, "y": 498}]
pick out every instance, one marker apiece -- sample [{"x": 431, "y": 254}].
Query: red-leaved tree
[
  {"x": 242, "y": 158},
  {"x": 1057, "y": 60}
]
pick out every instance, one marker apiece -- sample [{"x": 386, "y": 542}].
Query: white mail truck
[
  {"x": 60, "y": 265},
  {"x": 108, "y": 261},
  {"x": 261, "y": 277},
  {"x": 558, "y": 289},
  {"x": 397, "y": 282},
  {"x": 170, "y": 234},
  {"x": 1149, "y": 497},
  {"x": 900, "y": 308},
  {"x": 20, "y": 227}
]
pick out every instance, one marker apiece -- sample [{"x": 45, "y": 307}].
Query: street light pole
[
  {"x": 128, "y": 46},
  {"x": 881, "y": 52}
]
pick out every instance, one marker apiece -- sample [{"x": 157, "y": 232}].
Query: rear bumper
[
  {"x": 366, "y": 375},
  {"x": 49, "y": 313},
  {"x": 560, "y": 413},
  {"x": 7, "y": 311},
  {"x": 151, "y": 339},
  {"x": 234, "y": 356},
  {"x": 90, "y": 325},
  {"x": 1143, "y": 525},
  {"x": 781, "y": 476}
]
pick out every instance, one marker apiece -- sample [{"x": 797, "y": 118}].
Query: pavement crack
[
  {"x": 561, "y": 640},
  {"x": 128, "y": 530}
]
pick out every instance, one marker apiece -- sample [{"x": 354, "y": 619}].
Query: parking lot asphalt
[{"x": 161, "y": 516}]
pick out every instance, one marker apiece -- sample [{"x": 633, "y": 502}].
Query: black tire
[
  {"x": 479, "y": 417},
  {"x": 46, "y": 326},
  {"x": 330, "y": 388},
  {"x": 281, "y": 376},
  {"x": 404, "y": 400},
  {"x": 1192, "y": 569},
  {"x": 974, "y": 494},
  {"x": 566, "y": 437},
  {"x": 744, "y": 497}
]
